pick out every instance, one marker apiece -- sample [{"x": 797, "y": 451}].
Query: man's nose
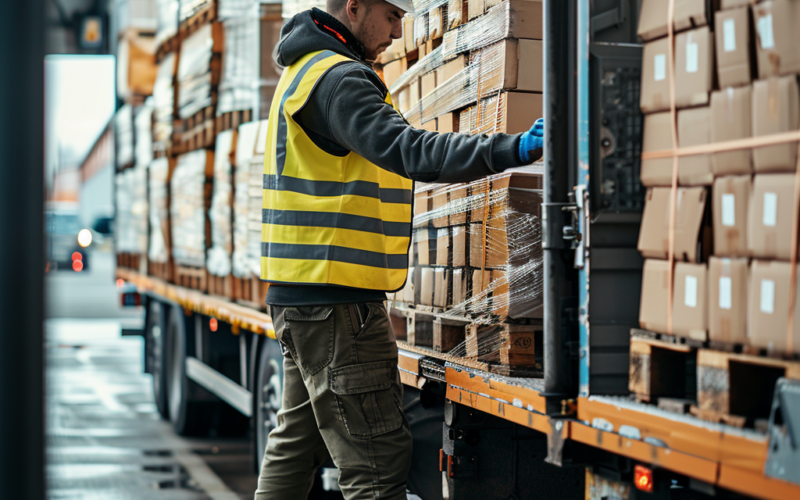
[{"x": 397, "y": 30}]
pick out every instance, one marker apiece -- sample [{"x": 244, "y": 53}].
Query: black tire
[
  {"x": 189, "y": 416},
  {"x": 156, "y": 335},
  {"x": 268, "y": 391}
]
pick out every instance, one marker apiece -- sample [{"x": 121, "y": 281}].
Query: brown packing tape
[
  {"x": 725, "y": 146},
  {"x": 793, "y": 259},
  {"x": 674, "y": 187}
]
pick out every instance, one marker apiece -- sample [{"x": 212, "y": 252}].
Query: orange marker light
[
  {"x": 76, "y": 256},
  {"x": 120, "y": 283},
  {"x": 77, "y": 266},
  {"x": 643, "y": 478},
  {"x": 213, "y": 325}
]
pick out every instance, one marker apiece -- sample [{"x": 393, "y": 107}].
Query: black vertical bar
[
  {"x": 557, "y": 267},
  {"x": 22, "y": 473}
]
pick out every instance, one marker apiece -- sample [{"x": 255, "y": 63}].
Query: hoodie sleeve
[{"x": 347, "y": 108}]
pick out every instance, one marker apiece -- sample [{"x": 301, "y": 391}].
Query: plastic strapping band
[
  {"x": 674, "y": 189},
  {"x": 793, "y": 258},
  {"x": 725, "y": 146}
]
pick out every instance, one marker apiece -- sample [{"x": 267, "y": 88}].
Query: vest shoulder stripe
[
  {"x": 336, "y": 220},
  {"x": 332, "y": 188},
  {"x": 335, "y": 254}
]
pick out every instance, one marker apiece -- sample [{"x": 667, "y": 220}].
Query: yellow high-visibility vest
[{"x": 326, "y": 219}]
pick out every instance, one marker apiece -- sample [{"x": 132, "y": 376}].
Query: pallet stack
[{"x": 723, "y": 342}]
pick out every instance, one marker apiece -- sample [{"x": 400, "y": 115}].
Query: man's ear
[{"x": 352, "y": 7}]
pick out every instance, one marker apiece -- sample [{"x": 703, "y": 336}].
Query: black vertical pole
[
  {"x": 22, "y": 261},
  {"x": 557, "y": 267}
]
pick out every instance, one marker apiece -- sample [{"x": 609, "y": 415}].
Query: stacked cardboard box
[
  {"x": 256, "y": 200},
  {"x": 131, "y": 234},
  {"x": 734, "y": 206},
  {"x": 476, "y": 249},
  {"x": 144, "y": 134},
  {"x": 167, "y": 25},
  {"x": 218, "y": 261},
  {"x": 488, "y": 64},
  {"x": 136, "y": 64},
  {"x": 124, "y": 136},
  {"x": 190, "y": 190},
  {"x": 160, "y": 234},
  {"x": 164, "y": 103},
  {"x": 199, "y": 69},
  {"x": 245, "y": 149}
]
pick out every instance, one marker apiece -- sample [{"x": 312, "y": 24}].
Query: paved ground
[{"x": 105, "y": 440}]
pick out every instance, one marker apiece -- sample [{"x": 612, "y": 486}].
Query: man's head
[{"x": 375, "y": 23}]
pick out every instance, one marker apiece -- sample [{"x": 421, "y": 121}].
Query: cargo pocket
[
  {"x": 367, "y": 402},
  {"x": 310, "y": 336}
]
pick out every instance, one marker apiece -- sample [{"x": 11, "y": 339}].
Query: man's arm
[{"x": 347, "y": 109}]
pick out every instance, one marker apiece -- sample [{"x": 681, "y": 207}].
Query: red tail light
[
  {"x": 120, "y": 283},
  {"x": 76, "y": 256},
  {"x": 643, "y": 478},
  {"x": 213, "y": 325},
  {"x": 77, "y": 266}
]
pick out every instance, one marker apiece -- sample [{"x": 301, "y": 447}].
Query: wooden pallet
[
  {"x": 196, "y": 132},
  {"x": 169, "y": 45},
  {"x": 220, "y": 285},
  {"x": 160, "y": 270},
  {"x": 733, "y": 386},
  {"x": 739, "y": 348},
  {"x": 191, "y": 277},
  {"x": 129, "y": 260},
  {"x": 207, "y": 15},
  {"x": 670, "y": 339},
  {"x": 250, "y": 291},
  {"x": 232, "y": 119},
  {"x": 660, "y": 369}
]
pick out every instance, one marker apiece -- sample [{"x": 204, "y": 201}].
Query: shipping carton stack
[
  {"x": 159, "y": 254},
  {"x": 190, "y": 199},
  {"x": 480, "y": 73},
  {"x": 167, "y": 28},
  {"x": 131, "y": 233},
  {"x": 218, "y": 261},
  {"x": 735, "y": 79},
  {"x": 124, "y": 137}
]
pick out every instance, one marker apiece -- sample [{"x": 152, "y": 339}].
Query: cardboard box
[
  {"x": 655, "y": 292},
  {"x": 694, "y": 129},
  {"x": 460, "y": 246},
  {"x": 777, "y": 37},
  {"x": 408, "y": 289},
  {"x": 731, "y": 119},
  {"x": 426, "y": 239},
  {"x": 733, "y": 47},
  {"x": 414, "y": 92},
  {"x": 441, "y": 287},
  {"x": 653, "y": 17},
  {"x": 731, "y": 198},
  {"x": 451, "y": 68},
  {"x": 459, "y": 286},
  {"x": 438, "y": 205},
  {"x": 480, "y": 282},
  {"x": 776, "y": 108},
  {"x": 523, "y": 18},
  {"x": 423, "y": 202},
  {"x": 730, "y": 4},
  {"x": 408, "y": 32},
  {"x": 427, "y": 83},
  {"x": 447, "y": 123},
  {"x": 768, "y": 311},
  {"x": 770, "y": 216},
  {"x": 429, "y": 125},
  {"x": 475, "y": 8},
  {"x": 694, "y": 67},
  {"x": 516, "y": 298},
  {"x": 136, "y": 68},
  {"x": 657, "y": 136},
  {"x": 515, "y": 114},
  {"x": 727, "y": 300},
  {"x": 426, "y": 286},
  {"x": 512, "y": 65},
  {"x": 436, "y": 20},
  {"x": 404, "y": 99},
  {"x": 393, "y": 52},
  {"x": 458, "y": 201},
  {"x": 655, "y": 86},
  {"x": 393, "y": 70},
  {"x": 654, "y": 232},
  {"x": 444, "y": 251},
  {"x": 689, "y": 304}
]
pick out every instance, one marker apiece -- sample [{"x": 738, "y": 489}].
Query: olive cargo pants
[{"x": 341, "y": 396}]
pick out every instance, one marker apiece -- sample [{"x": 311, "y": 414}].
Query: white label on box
[
  {"x": 725, "y": 292},
  {"x": 690, "y": 294},
  {"x": 729, "y": 35},
  {"x": 728, "y": 209},
  {"x": 691, "y": 57},
  {"x": 660, "y": 63},
  {"x": 765, "y": 32},
  {"x": 767, "y": 296},
  {"x": 770, "y": 209}
]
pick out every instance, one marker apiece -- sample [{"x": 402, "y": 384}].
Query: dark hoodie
[{"x": 347, "y": 112}]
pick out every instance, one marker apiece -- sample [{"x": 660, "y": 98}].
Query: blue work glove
[{"x": 532, "y": 141}]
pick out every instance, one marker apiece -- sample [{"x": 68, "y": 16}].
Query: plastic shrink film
[
  {"x": 167, "y": 20},
  {"x": 220, "y": 214},
  {"x": 237, "y": 86},
  {"x": 187, "y": 210},
  {"x": 192, "y": 7},
  {"x": 163, "y": 103},
  {"x": 227, "y": 9},
  {"x": 131, "y": 205},
  {"x": 455, "y": 13},
  {"x": 245, "y": 150},
  {"x": 194, "y": 72},
  {"x": 144, "y": 134},
  {"x": 159, "y": 211},
  {"x": 256, "y": 194},
  {"x": 141, "y": 15},
  {"x": 294, "y": 7},
  {"x": 123, "y": 135}
]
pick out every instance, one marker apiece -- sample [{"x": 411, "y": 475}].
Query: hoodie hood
[{"x": 313, "y": 30}]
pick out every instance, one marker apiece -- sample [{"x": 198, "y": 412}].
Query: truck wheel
[
  {"x": 156, "y": 335},
  {"x": 189, "y": 416},
  {"x": 268, "y": 394}
]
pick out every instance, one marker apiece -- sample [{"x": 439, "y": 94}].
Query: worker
[{"x": 337, "y": 211}]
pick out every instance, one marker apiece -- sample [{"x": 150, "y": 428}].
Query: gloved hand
[{"x": 532, "y": 141}]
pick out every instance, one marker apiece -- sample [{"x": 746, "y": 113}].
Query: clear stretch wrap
[
  {"x": 227, "y": 9},
  {"x": 163, "y": 103},
  {"x": 159, "y": 211},
  {"x": 123, "y": 135},
  {"x": 455, "y": 13},
  {"x": 192, "y": 7},
  {"x": 167, "y": 20},
  {"x": 131, "y": 207},
  {"x": 220, "y": 214},
  {"x": 140, "y": 15},
  {"x": 245, "y": 150},
  {"x": 144, "y": 133},
  {"x": 294, "y": 7},
  {"x": 238, "y": 84},
  {"x": 187, "y": 209},
  {"x": 256, "y": 194},
  {"x": 194, "y": 72},
  {"x": 477, "y": 248}
]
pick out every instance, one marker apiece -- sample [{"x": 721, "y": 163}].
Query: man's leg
[
  {"x": 348, "y": 358},
  {"x": 295, "y": 448}
]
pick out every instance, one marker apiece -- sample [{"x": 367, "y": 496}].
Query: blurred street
[{"x": 104, "y": 437}]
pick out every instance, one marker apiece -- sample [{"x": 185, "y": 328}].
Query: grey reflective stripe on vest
[
  {"x": 333, "y": 188},
  {"x": 335, "y": 254},
  {"x": 335, "y": 220}
]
